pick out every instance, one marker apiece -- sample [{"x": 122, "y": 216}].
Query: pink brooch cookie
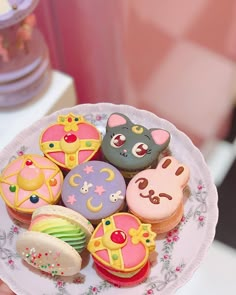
[
  {"x": 120, "y": 247},
  {"x": 156, "y": 195},
  {"x": 70, "y": 141},
  {"x": 29, "y": 182}
]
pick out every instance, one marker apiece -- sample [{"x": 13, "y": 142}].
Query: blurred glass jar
[{"x": 24, "y": 62}]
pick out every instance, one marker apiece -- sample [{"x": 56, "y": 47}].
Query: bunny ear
[
  {"x": 117, "y": 119},
  {"x": 160, "y": 136}
]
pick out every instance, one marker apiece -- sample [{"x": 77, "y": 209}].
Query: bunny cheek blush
[
  {"x": 55, "y": 239},
  {"x": 156, "y": 195},
  {"x": 120, "y": 247},
  {"x": 95, "y": 189},
  {"x": 29, "y": 182},
  {"x": 131, "y": 147}
]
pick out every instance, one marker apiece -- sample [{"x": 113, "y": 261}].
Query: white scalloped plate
[{"x": 179, "y": 252}]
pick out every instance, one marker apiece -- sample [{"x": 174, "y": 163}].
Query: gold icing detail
[
  {"x": 103, "y": 243},
  {"x": 71, "y": 159},
  {"x": 137, "y": 129},
  {"x": 111, "y": 174},
  {"x": 72, "y": 180},
  {"x": 72, "y": 124},
  {"x": 30, "y": 184},
  {"x": 93, "y": 208},
  {"x": 139, "y": 236},
  {"x": 69, "y": 148}
]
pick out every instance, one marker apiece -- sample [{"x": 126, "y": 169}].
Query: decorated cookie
[
  {"x": 70, "y": 141},
  {"x": 95, "y": 189},
  {"x": 132, "y": 147},
  {"x": 55, "y": 239},
  {"x": 156, "y": 195},
  {"x": 120, "y": 247},
  {"x": 29, "y": 182}
]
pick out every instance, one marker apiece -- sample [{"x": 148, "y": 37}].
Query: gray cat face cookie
[{"x": 131, "y": 147}]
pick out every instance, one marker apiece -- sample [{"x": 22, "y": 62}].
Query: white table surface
[{"x": 59, "y": 94}]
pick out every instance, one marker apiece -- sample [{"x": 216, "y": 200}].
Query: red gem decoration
[
  {"x": 28, "y": 163},
  {"x": 70, "y": 138},
  {"x": 69, "y": 119},
  {"x": 118, "y": 237},
  {"x": 145, "y": 235}
]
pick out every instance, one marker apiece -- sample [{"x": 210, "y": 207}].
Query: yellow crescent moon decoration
[
  {"x": 93, "y": 208},
  {"x": 72, "y": 179},
  {"x": 111, "y": 174}
]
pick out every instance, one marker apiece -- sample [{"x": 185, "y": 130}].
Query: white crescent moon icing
[
  {"x": 93, "y": 208},
  {"x": 111, "y": 174},
  {"x": 72, "y": 179}
]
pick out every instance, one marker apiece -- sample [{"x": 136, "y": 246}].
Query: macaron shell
[
  {"x": 29, "y": 182},
  {"x": 70, "y": 141},
  {"x": 95, "y": 189},
  {"x": 22, "y": 217},
  {"x": 48, "y": 254},
  {"x": 67, "y": 213},
  {"x": 156, "y": 194},
  {"x": 167, "y": 224},
  {"x": 121, "y": 281}
]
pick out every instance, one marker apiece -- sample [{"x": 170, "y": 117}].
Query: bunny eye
[
  {"x": 142, "y": 183},
  {"x": 118, "y": 140},
  {"x": 139, "y": 149}
]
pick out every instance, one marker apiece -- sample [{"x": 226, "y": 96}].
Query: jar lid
[{"x": 13, "y": 11}]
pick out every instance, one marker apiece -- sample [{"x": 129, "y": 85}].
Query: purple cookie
[{"x": 95, "y": 189}]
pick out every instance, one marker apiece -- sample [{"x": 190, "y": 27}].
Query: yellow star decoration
[
  {"x": 70, "y": 121},
  {"x": 50, "y": 199}
]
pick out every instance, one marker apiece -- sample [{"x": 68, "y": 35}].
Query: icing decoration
[
  {"x": 111, "y": 174},
  {"x": 116, "y": 120},
  {"x": 88, "y": 169},
  {"x": 72, "y": 180},
  {"x": 34, "y": 199},
  {"x": 62, "y": 229},
  {"x": 137, "y": 129},
  {"x": 116, "y": 196},
  {"x": 31, "y": 180},
  {"x": 99, "y": 190},
  {"x": 143, "y": 235},
  {"x": 85, "y": 188},
  {"x": 71, "y": 199},
  {"x": 93, "y": 208},
  {"x": 70, "y": 141},
  {"x": 70, "y": 121}
]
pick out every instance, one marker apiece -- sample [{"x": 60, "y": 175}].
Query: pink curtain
[{"x": 175, "y": 58}]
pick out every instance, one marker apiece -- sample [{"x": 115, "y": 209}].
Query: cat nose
[{"x": 125, "y": 151}]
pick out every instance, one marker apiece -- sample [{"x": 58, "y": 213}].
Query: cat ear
[
  {"x": 160, "y": 136},
  {"x": 117, "y": 119}
]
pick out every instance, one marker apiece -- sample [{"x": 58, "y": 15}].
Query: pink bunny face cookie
[{"x": 155, "y": 194}]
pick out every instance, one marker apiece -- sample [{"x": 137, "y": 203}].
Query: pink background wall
[{"x": 175, "y": 58}]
